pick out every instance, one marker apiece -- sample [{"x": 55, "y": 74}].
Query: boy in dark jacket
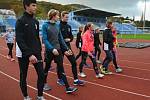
[
  {"x": 66, "y": 31},
  {"x": 28, "y": 48}
]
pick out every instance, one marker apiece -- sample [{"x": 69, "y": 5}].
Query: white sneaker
[
  {"x": 119, "y": 70},
  {"x": 99, "y": 75},
  {"x": 98, "y": 61},
  {"x": 40, "y": 98},
  {"x": 46, "y": 87},
  {"x": 82, "y": 74},
  {"x": 27, "y": 98}
]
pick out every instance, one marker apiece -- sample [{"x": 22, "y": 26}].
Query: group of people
[{"x": 56, "y": 36}]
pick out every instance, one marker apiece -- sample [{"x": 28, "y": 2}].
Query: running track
[{"x": 132, "y": 84}]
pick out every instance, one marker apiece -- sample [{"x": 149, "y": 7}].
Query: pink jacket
[{"x": 88, "y": 41}]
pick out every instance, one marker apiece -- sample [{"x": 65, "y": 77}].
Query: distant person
[
  {"x": 79, "y": 44},
  {"x": 10, "y": 37},
  {"x": 54, "y": 46},
  {"x": 114, "y": 51},
  {"x": 97, "y": 44},
  {"x": 28, "y": 48},
  {"x": 88, "y": 50}
]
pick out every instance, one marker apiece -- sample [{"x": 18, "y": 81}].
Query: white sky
[{"x": 125, "y": 7}]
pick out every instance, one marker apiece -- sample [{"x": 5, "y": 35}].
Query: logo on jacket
[{"x": 35, "y": 26}]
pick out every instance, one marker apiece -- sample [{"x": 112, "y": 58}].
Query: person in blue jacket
[{"x": 54, "y": 46}]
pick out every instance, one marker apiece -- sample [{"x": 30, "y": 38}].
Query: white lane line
[
  {"x": 139, "y": 78},
  {"x": 108, "y": 87},
  {"x": 145, "y": 79},
  {"x": 119, "y": 59},
  {"x": 121, "y": 90},
  {"x": 56, "y": 98}
]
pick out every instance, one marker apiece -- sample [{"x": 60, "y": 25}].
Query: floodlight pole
[{"x": 144, "y": 16}]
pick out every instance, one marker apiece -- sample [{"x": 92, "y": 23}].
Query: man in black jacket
[
  {"x": 28, "y": 48},
  {"x": 66, "y": 31},
  {"x": 107, "y": 47}
]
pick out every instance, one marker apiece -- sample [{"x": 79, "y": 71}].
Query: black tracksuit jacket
[
  {"x": 66, "y": 31},
  {"x": 27, "y": 35}
]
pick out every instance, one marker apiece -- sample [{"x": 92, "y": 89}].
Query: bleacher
[{"x": 127, "y": 28}]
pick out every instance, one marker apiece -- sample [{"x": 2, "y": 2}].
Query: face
[
  {"x": 9, "y": 30},
  {"x": 31, "y": 8},
  {"x": 81, "y": 29},
  {"x": 98, "y": 31},
  {"x": 65, "y": 18},
  {"x": 56, "y": 17},
  {"x": 91, "y": 27}
]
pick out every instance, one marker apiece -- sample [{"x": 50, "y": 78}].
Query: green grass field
[{"x": 134, "y": 36}]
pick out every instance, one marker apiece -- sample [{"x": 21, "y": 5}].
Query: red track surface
[{"x": 132, "y": 84}]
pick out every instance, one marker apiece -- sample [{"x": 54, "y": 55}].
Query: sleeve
[
  {"x": 77, "y": 40},
  {"x": 71, "y": 35},
  {"x": 20, "y": 39},
  {"x": 63, "y": 45},
  {"x": 45, "y": 38}
]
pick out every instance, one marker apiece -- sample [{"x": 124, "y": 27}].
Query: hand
[
  {"x": 55, "y": 52},
  {"x": 91, "y": 54},
  {"x": 68, "y": 53},
  {"x": 33, "y": 59},
  {"x": 67, "y": 40}
]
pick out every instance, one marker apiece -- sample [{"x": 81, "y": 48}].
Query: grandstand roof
[{"x": 90, "y": 12}]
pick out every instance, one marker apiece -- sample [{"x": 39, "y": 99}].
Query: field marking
[
  {"x": 8, "y": 76},
  {"x": 108, "y": 87}
]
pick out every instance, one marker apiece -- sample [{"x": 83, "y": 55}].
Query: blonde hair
[{"x": 52, "y": 13}]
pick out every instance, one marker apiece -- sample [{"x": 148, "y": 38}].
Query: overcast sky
[{"x": 125, "y": 7}]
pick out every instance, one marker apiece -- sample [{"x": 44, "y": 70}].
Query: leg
[
  {"x": 60, "y": 69},
  {"x": 114, "y": 59},
  {"x": 40, "y": 72},
  {"x": 79, "y": 54},
  {"x": 9, "y": 47},
  {"x": 48, "y": 60},
  {"x": 84, "y": 56},
  {"x": 94, "y": 65},
  {"x": 23, "y": 65},
  {"x": 99, "y": 53},
  {"x": 108, "y": 59},
  {"x": 73, "y": 65}
]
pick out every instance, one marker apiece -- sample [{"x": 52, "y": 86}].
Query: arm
[
  {"x": 77, "y": 40},
  {"x": 71, "y": 35},
  {"x": 20, "y": 39},
  {"x": 4, "y": 35},
  {"x": 45, "y": 38},
  {"x": 63, "y": 45}
]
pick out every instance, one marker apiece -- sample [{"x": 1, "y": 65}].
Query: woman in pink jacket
[{"x": 88, "y": 50}]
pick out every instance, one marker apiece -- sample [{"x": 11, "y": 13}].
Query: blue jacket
[{"x": 52, "y": 37}]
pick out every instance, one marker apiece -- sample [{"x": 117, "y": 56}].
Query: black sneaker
[
  {"x": 79, "y": 82},
  {"x": 70, "y": 90}
]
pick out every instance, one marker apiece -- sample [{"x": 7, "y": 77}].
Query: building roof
[{"x": 90, "y": 12}]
